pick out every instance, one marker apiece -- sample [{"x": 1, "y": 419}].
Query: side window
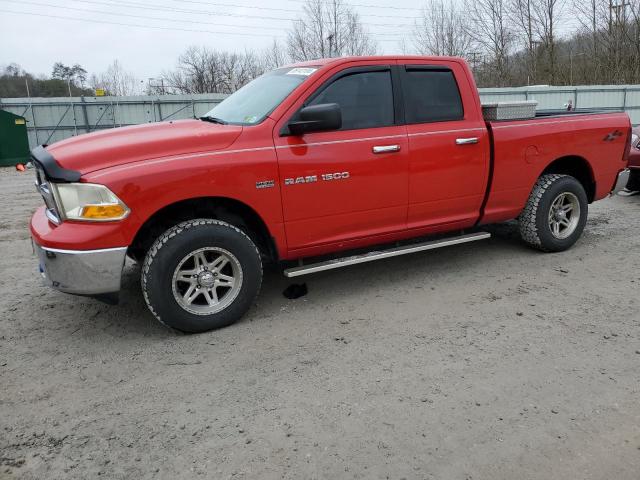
[
  {"x": 366, "y": 99},
  {"x": 431, "y": 96}
]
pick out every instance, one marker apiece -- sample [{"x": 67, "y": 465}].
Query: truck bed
[{"x": 522, "y": 149}]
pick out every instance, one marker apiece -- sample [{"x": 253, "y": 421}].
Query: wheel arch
[
  {"x": 579, "y": 168},
  {"x": 227, "y": 209}
]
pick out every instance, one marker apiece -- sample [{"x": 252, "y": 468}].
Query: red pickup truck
[{"x": 304, "y": 162}]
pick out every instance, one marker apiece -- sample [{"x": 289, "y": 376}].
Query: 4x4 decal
[{"x": 612, "y": 136}]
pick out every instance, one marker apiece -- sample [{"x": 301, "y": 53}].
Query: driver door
[{"x": 350, "y": 183}]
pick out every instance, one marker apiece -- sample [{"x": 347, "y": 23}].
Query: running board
[{"x": 378, "y": 255}]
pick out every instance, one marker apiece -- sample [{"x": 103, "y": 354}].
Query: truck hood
[{"x": 118, "y": 146}]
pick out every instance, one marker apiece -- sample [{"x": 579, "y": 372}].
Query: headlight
[
  {"x": 89, "y": 202},
  {"x": 634, "y": 140}
]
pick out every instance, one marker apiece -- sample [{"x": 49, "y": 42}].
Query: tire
[
  {"x": 201, "y": 275},
  {"x": 543, "y": 225}
]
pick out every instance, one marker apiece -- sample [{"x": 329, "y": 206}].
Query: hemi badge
[{"x": 265, "y": 184}]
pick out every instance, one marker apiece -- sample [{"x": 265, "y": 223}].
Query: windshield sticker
[
  {"x": 251, "y": 119},
  {"x": 304, "y": 71}
]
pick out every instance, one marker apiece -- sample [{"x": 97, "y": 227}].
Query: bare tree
[
  {"x": 547, "y": 15},
  {"x": 116, "y": 81},
  {"x": 404, "y": 46},
  {"x": 522, "y": 15},
  {"x": 201, "y": 70},
  {"x": 441, "y": 30},
  {"x": 618, "y": 34},
  {"x": 634, "y": 41},
  {"x": 507, "y": 42},
  {"x": 537, "y": 24},
  {"x": 328, "y": 28},
  {"x": 491, "y": 29},
  {"x": 592, "y": 22},
  {"x": 274, "y": 56}
]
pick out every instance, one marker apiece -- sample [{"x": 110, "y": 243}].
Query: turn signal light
[{"x": 103, "y": 212}]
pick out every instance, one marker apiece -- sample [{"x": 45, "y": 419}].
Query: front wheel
[
  {"x": 201, "y": 275},
  {"x": 555, "y": 214}
]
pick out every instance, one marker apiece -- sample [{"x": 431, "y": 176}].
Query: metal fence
[
  {"x": 597, "y": 97},
  {"x": 52, "y": 119}
]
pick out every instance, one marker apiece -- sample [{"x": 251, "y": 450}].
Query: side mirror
[{"x": 317, "y": 118}]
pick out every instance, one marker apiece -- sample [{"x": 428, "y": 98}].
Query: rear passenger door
[{"x": 448, "y": 146}]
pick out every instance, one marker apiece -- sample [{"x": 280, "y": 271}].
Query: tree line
[
  {"x": 506, "y": 42},
  {"x": 525, "y": 42},
  {"x": 64, "y": 80}
]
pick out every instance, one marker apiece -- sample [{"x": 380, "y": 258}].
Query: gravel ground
[{"x": 481, "y": 361}]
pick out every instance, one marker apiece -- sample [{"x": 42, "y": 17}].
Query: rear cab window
[{"x": 431, "y": 94}]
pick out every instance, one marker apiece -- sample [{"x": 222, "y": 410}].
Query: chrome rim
[
  {"x": 207, "y": 280},
  {"x": 564, "y": 215}
]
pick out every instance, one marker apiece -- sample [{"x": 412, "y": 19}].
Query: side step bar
[{"x": 378, "y": 255}]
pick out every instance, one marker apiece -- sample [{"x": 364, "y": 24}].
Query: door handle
[
  {"x": 466, "y": 141},
  {"x": 386, "y": 148}
]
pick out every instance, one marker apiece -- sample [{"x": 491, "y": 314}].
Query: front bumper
[
  {"x": 621, "y": 182},
  {"x": 82, "y": 272}
]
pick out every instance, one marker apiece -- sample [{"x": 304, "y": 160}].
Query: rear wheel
[
  {"x": 201, "y": 275},
  {"x": 555, "y": 214}
]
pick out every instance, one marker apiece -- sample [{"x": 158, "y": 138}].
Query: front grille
[{"x": 44, "y": 188}]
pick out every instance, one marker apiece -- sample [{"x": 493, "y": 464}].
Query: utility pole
[
  {"x": 73, "y": 108},
  {"x": 160, "y": 90},
  {"x": 620, "y": 9},
  {"x": 535, "y": 44},
  {"x": 532, "y": 59},
  {"x": 617, "y": 29},
  {"x": 571, "y": 56}
]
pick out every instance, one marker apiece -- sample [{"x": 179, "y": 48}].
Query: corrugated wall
[
  {"x": 605, "y": 97},
  {"x": 52, "y": 119}
]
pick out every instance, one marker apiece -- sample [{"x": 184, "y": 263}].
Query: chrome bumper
[
  {"x": 81, "y": 272},
  {"x": 623, "y": 178}
]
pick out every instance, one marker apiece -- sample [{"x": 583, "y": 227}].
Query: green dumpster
[{"x": 14, "y": 143}]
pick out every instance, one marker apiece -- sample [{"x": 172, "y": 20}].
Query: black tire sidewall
[
  {"x": 564, "y": 184},
  {"x": 159, "y": 276}
]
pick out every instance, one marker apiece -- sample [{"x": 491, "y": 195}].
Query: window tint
[
  {"x": 431, "y": 96},
  {"x": 366, "y": 99}
]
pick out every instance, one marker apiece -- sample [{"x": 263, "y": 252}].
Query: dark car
[{"x": 633, "y": 185}]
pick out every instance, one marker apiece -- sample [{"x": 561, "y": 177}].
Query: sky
[{"x": 147, "y": 36}]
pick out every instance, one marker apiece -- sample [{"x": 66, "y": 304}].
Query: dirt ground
[{"x": 481, "y": 361}]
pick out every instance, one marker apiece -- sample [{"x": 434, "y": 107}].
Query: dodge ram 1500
[{"x": 304, "y": 162}]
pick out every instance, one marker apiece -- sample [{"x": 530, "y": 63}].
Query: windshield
[{"x": 257, "y": 99}]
